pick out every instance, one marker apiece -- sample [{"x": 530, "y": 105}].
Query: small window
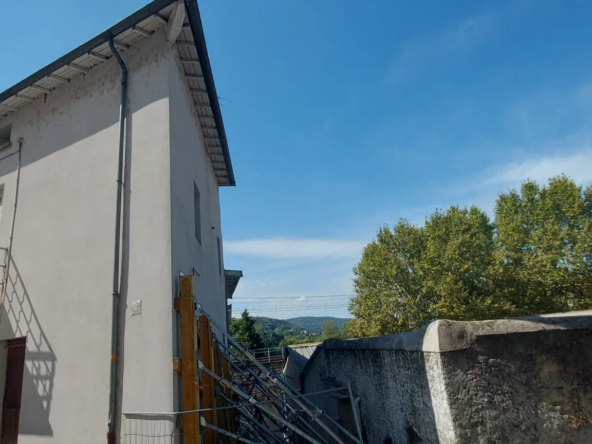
[
  {"x": 219, "y": 256},
  {"x": 5, "y": 136},
  {"x": 197, "y": 212}
]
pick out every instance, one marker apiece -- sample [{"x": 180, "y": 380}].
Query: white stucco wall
[
  {"x": 61, "y": 276},
  {"x": 190, "y": 163},
  {"x": 147, "y": 347}
]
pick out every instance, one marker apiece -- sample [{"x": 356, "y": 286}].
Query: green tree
[
  {"x": 343, "y": 332},
  {"x": 302, "y": 339},
  {"x": 411, "y": 275},
  {"x": 245, "y": 332},
  {"x": 544, "y": 236},
  {"x": 330, "y": 330},
  {"x": 271, "y": 339},
  {"x": 534, "y": 258}
]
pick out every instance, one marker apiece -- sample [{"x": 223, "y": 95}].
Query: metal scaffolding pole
[
  {"x": 248, "y": 398},
  {"x": 250, "y": 416},
  {"x": 284, "y": 387},
  {"x": 263, "y": 388},
  {"x": 355, "y": 411},
  {"x": 250, "y": 429},
  {"x": 272, "y": 400},
  {"x": 225, "y": 432}
]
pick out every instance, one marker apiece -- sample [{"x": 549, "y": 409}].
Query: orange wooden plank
[
  {"x": 197, "y": 376},
  {"x": 188, "y": 363},
  {"x": 205, "y": 353}
]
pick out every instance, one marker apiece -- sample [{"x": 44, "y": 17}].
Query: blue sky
[{"x": 345, "y": 115}]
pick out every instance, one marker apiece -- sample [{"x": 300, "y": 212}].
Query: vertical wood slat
[
  {"x": 205, "y": 353},
  {"x": 198, "y": 376},
  {"x": 214, "y": 368},
  {"x": 189, "y": 388}
]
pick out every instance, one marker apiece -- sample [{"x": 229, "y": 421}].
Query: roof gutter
[{"x": 202, "y": 52}]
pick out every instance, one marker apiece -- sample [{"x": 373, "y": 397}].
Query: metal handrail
[{"x": 269, "y": 354}]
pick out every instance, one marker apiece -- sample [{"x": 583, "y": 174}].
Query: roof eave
[
  {"x": 202, "y": 51},
  {"x": 142, "y": 14},
  {"x": 138, "y": 16}
]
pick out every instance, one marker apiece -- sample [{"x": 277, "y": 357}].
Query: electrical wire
[
  {"x": 267, "y": 298},
  {"x": 291, "y": 308}
]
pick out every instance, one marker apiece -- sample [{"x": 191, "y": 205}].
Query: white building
[{"x": 59, "y": 156}]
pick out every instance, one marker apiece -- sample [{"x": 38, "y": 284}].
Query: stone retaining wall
[{"x": 523, "y": 380}]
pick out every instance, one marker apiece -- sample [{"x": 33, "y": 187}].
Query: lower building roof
[
  {"x": 232, "y": 277},
  {"x": 301, "y": 353}
]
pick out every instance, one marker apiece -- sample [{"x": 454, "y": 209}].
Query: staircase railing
[{"x": 270, "y": 354}]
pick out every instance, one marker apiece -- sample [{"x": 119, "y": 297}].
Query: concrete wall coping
[{"x": 444, "y": 335}]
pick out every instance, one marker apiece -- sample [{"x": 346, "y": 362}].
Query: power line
[
  {"x": 256, "y": 304},
  {"x": 295, "y": 308},
  {"x": 261, "y": 304},
  {"x": 272, "y": 298}
]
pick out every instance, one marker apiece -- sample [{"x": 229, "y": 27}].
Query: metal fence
[
  {"x": 141, "y": 428},
  {"x": 270, "y": 354}
]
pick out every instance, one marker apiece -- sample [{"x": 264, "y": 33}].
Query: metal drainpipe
[{"x": 117, "y": 258}]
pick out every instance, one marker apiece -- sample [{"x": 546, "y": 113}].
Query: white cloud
[
  {"x": 286, "y": 248},
  {"x": 576, "y": 165}
]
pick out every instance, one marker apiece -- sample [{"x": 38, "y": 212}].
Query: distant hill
[
  {"x": 315, "y": 323},
  {"x": 278, "y": 326},
  {"x": 279, "y": 332}
]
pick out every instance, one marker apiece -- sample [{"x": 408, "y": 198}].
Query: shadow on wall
[{"x": 19, "y": 319}]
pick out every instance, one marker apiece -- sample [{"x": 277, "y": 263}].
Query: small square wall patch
[{"x": 136, "y": 307}]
